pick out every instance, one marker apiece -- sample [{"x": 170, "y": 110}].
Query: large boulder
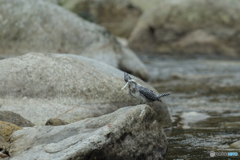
[
  {"x": 40, "y": 26},
  {"x": 128, "y": 133},
  {"x": 118, "y": 16},
  {"x": 15, "y": 118},
  {"x": 69, "y": 87},
  {"x": 190, "y": 27}
]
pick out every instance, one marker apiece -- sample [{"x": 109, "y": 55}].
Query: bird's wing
[
  {"x": 147, "y": 93},
  {"x": 140, "y": 86}
]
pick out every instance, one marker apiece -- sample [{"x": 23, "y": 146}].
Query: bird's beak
[{"x": 125, "y": 86}]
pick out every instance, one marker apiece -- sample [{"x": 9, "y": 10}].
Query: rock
[
  {"x": 145, "y": 5},
  {"x": 189, "y": 27},
  {"x": 235, "y": 145},
  {"x": 6, "y": 129},
  {"x": 118, "y": 16},
  {"x": 3, "y": 153},
  {"x": 52, "y": 1},
  {"x": 55, "y": 122},
  {"x": 49, "y": 28},
  {"x": 122, "y": 41},
  {"x": 3, "y": 144},
  {"x": 14, "y": 118},
  {"x": 70, "y": 87},
  {"x": 128, "y": 133}
]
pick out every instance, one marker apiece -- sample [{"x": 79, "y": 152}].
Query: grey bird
[{"x": 140, "y": 92}]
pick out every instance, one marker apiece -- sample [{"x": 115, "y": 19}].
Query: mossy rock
[{"x": 6, "y": 129}]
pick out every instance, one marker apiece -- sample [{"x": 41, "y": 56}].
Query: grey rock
[
  {"x": 189, "y": 27},
  {"x": 40, "y": 26},
  {"x": 118, "y": 16},
  {"x": 52, "y": 1},
  {"x": 70, "y": 87},
  {"x": 145, "y": 5},
  {"x": 128, "y": 133},
  {"x": 3, "y": 144},
  {"x": 15, "y": 118}
]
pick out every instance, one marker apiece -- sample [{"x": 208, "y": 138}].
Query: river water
[{"x": 204, "y": 104}]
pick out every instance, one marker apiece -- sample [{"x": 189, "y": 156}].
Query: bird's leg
[
  {"x": 140, "y": 101},
  {"x": 131, "y": 94}
]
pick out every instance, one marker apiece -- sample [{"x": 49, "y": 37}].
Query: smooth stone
[{"x": 69, "y": 87}]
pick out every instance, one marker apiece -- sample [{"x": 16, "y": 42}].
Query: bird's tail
[{"x": 163, "y": 95}]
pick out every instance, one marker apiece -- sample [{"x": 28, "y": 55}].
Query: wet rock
[
  {"x": 69, "y": 87},
  {"x": 235, "y": 145},
  {"x": 49, "y": 28},
  {"x": 55, "y": 122},
  {"x": 130, "y": 132},
  {"x": 6, "y": 129},
  {"x": 14, "y": 118},
  {"x": 118, "y": 16},
  {"x": 189, "y": 27}
]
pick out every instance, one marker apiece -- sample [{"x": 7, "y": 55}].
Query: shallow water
[{"x": 204, "y": 105}]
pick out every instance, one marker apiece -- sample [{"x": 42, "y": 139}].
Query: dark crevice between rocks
[
  {"x": 96, "y": 154},
  {"x": 151, "y": 31}
]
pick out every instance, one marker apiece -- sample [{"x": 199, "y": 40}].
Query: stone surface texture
[
  {"x": 6, "y": 129},
  {"x": 69, "y": 87},
  {"x": 128, "y": 133},
  {"x": 15, "y": 118}
]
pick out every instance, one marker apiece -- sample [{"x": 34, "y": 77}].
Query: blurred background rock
[
  {"x": 118, "y": 16},
  {"x": 189, "y": 27}
]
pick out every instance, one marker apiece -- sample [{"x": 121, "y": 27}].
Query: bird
[{"x": 142, "y": 93}]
